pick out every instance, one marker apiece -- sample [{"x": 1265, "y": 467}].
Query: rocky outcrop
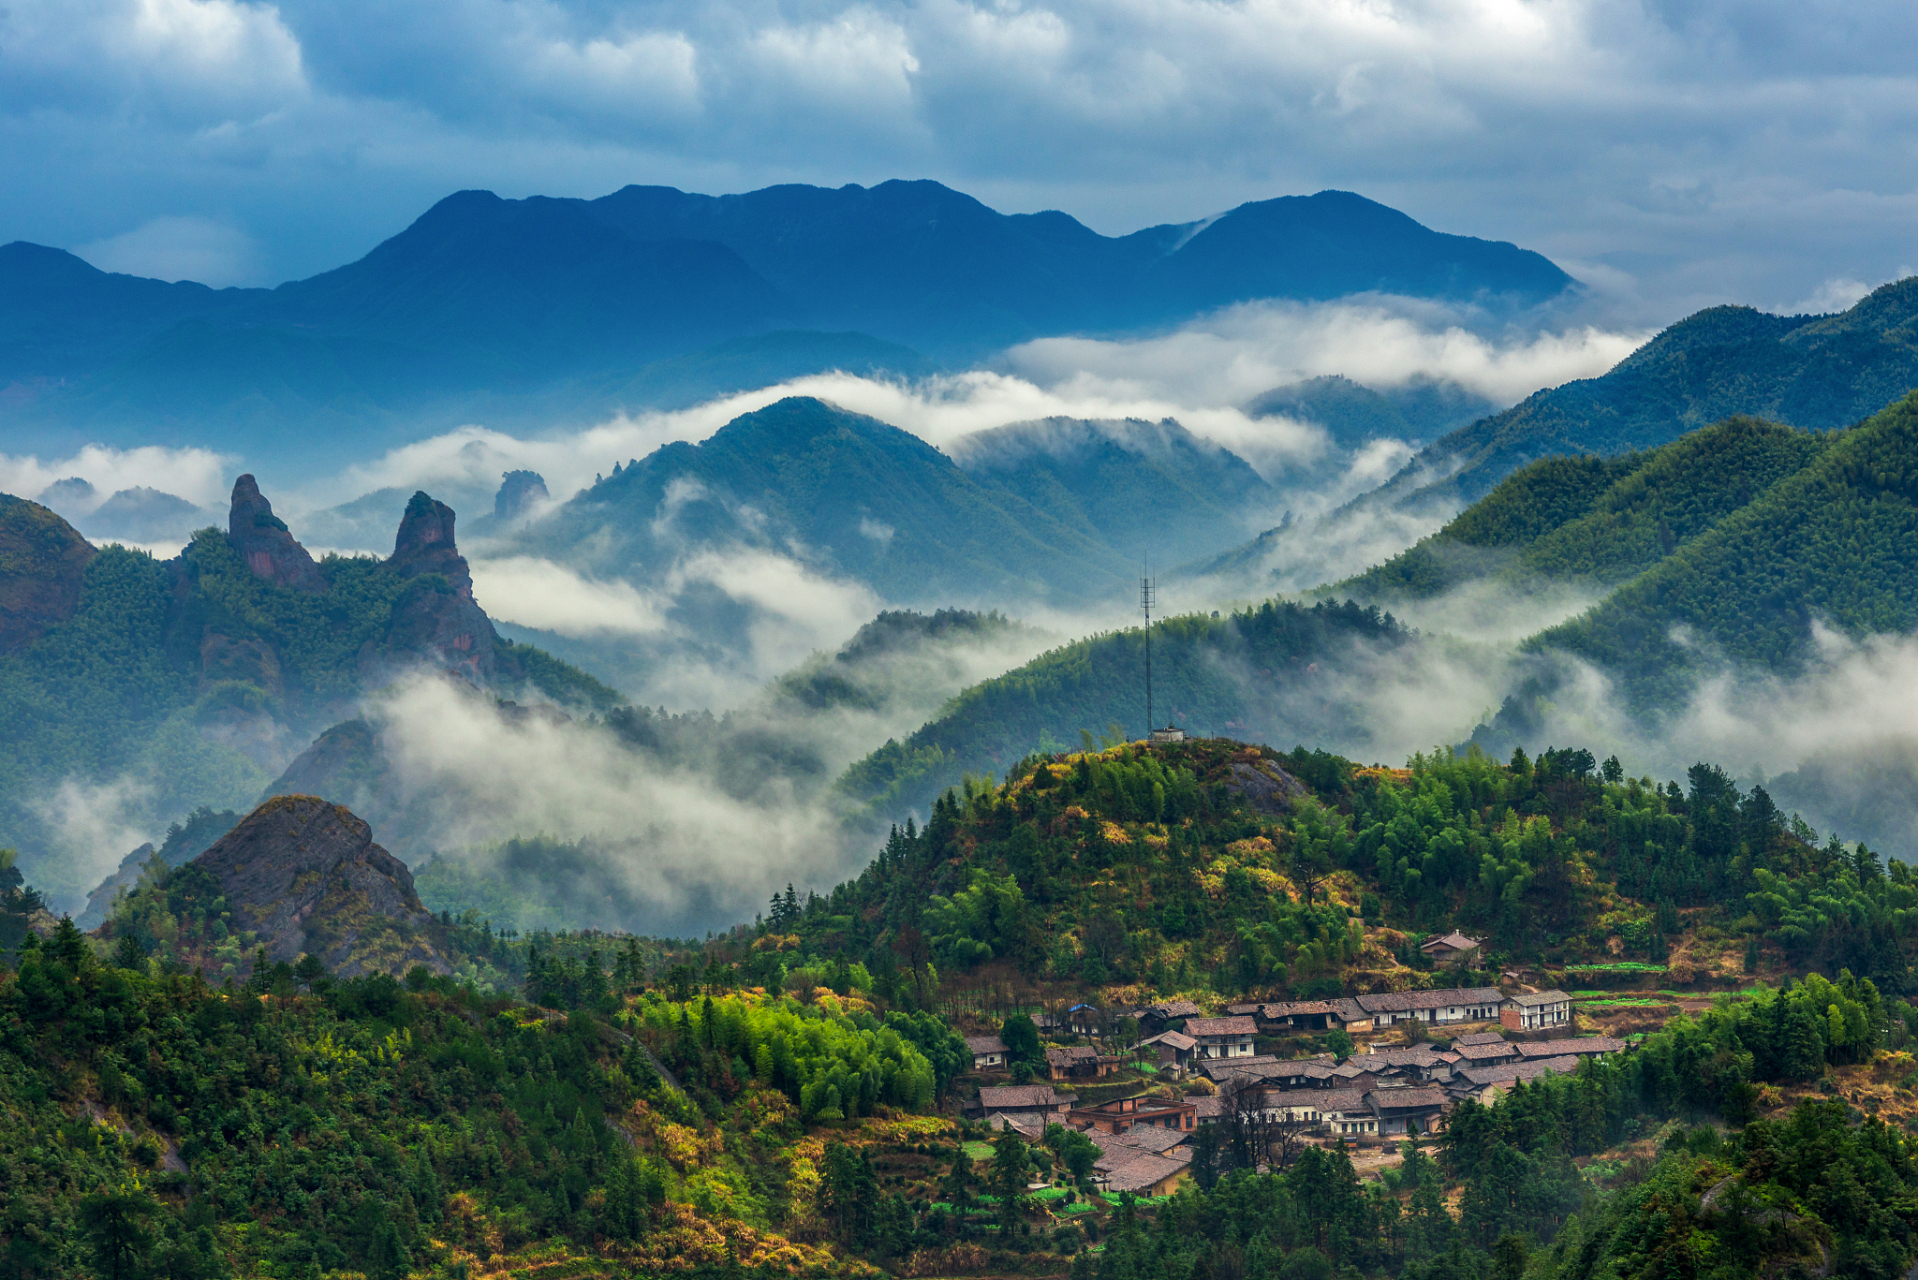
[
  {"x": 1265, "y": 787},
  {"x": 265, "y": 543},
  {"x": 519, "y": 492},
  {"x": 43, "y": 560},
  {"x": 305, "y": 876},
  {"x": 437, "y": 619}
]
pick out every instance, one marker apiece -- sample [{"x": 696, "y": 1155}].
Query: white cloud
[
  {"x": 538, "y": 593},
  {"x": 189, "y": 248},
  {"x": 198, "y": 475}
]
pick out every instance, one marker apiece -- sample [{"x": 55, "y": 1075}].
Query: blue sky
[{"x": 1672, "y": 154}]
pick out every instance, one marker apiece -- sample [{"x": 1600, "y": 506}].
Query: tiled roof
[
  {"x": 1071, "y": 1054},
  {"x": 1027, "y": 1125},
  {"x": 1177, "y": 1039},
  {"x": 985, "y": 1044},
  {"x": 1480, "y": 1037},
  {"x": 1532, "y": 1000},
  {"x": 1000, "y": 1097},
  {"x": 1407, "y": 1099},
  {"x": 1475, "y": 1054},
  {"x": 1154, "y": 1137},
  {"x": 1406, "y": 1001},
  {"x": 1208, "y": 1108},
  {"x": 1419, "y": 1054},
  {"x": 1525, "y": 1069},
  {"x": 1176, "y": 1009},
  {"x": 1578, "y": 1044},
  {"x": 1341, "y": 1100},
  {"x": 1243, "y": 1009},
  {"x": 1295, "y": 1008},
  {"x": 1142, "y": 1171},
  {"x": 1456, "y": 941},
  {"x": 1203, "y": 1027}
]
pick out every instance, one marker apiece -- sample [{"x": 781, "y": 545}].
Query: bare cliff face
[
  {"x": 265, "y": 543},
  {"x": 438, "y": 620},
  {"x": 305, "y": 875}
]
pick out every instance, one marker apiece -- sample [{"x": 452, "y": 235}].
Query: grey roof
[
  {"x": 1070, "y": 1054},
  {"x": 1475, "y": 1054},
  {"x": 1025, "y": 1124},
  {"x": 1480, "y": 1037},
  {"x": 1203, "y": 1108},
  {"x": 1533, "y": 999},
  {"x": 1577, "y": 1044},
  {"x": 1202, "y": 1027},
  {"x": 1384, "y": 1100},
  {"x": 1341, "y": 1100},
  {"x": 1175, "y": 1009},
  {"x": 1418, "y": 1054},
  {"x": 1524, "y": 1069},
  {"x": 1406, "y": 1001},
  {"x": 1295, "y": 1008},
  {"x": 1214, "y": 1068},
  {"x": 1153, "y": 1137},
  {"x": 1177, "y": 1039},
  {"x": 1018, "y": 1096},
  {"x": 1456, "y": 941},
  {"x": 985, "y": 1044},
  {"x": 1142, "y": 1170}
]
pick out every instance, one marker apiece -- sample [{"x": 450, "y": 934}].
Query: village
[{"x": 1365, "y": 1071}]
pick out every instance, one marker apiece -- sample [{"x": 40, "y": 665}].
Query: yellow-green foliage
[{"x": 832, "y": 1066}]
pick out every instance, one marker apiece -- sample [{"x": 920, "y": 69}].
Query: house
[
  {"x": 1407, "y": 1110},
  {"x": 1420, "y": 1062},
  {"x": 1030, "y": 1128},
  {"x": 988, "y": 1053},
  {"x": 1155, "y": 1017},
  {"x": 1298, "y": 1015},
  {"x": 1228, "y": 1037},
  {"x": 1144, "y": 1109},
  {"x": 1536, "y": 1011},
  {"x": 1486, "y": 1082},
  {"x": 1480, "y": 1037},
  {"x": 1485, "y": 1055},
  {"x": 1141, "y": 1172},
  {"x": 1085, "y": 1020},
  {"x": 1032, "y": 1100},
  {"x": 1174, "y": 1048},
  {"x": 1460, "y": 1004},
  {"x": 1217, "y": 1069},
  {"x": 1078, "y": 1062},
  {"x": 1346, "y": 1114},
  {"x": 1452, "y": 949}
]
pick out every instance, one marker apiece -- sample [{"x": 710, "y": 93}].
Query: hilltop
[
  {"x": 200, "y": 677},
  {"x": 1049, "y": 510}
]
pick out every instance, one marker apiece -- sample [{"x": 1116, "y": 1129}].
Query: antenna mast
[{"x": 1148, "y": 596}]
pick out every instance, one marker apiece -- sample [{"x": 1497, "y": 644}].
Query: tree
[
  {"x": 129, "y": 954},
  {"x": 1011, "y": 1168},
  {"x": 116, "y": 1227},
  {"x": 309, "y": 971},
  {"x": 848, "y": 1191},
  {"x": 1076, "y": 1151},
  {"x": 1021, "y": 1039},
  {"x": 1339, "y": 1041}
]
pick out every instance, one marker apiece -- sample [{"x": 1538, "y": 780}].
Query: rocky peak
[
  {"x": 305, "y": 875},
  {"x": 265, "y": 543},
  {"x": 440, "y": 623},
  {"x": 425, "y": 544},
  {"x": 519, "y": 491}
]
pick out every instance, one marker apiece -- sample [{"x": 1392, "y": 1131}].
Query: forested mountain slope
[
  {"x": 1273, "y": 671},
  {"x": 1813, "y": 372},
  {"x": 195, "y": 678},
  {"x": 1836, "y": 542},
  {"x": 866, "y": 500},
  {"x": 1596, "y": 522}
]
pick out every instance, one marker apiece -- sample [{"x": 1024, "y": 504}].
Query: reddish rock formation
[
  {"x": 43, "y": 560},
  {"x": 263, "y": 541}
]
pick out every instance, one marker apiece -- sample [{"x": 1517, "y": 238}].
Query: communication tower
[{"x": 1148, "y": 596}]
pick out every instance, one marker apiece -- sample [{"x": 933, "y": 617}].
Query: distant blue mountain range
[{"x": 537, "y": 309}]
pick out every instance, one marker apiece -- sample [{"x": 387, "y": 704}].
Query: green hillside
[
  {"x": 1812, "y": 372},
  {"x": 1835, "y": 541},
  {"x": 1245, "y": 674},
  {"x": 1596, "y": 522}
]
